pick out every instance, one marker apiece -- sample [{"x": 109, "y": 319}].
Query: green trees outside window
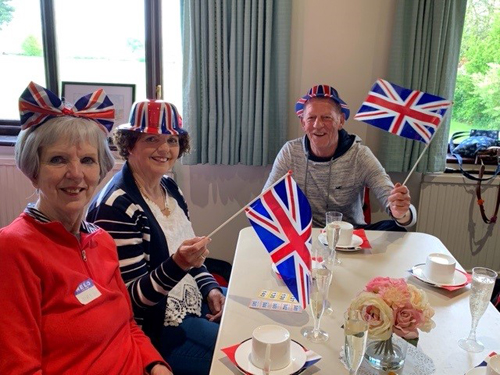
[{"x": 477, "y": 92}]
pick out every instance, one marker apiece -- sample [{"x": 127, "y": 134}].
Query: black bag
[{"x": 481, "y": 144}]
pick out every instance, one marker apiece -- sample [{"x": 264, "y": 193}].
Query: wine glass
[
  {"x": 355, "y": 335},
  {"x": 318, "y": 291},
  {"x": 483, "y": 282},
  {"x": 333, "y": 219}
]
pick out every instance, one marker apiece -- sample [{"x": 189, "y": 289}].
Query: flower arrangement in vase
[{"x": 392, "y": 307}]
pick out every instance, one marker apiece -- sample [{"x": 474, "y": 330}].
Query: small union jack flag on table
[
  {"x": 282, "y": 219},
  {"x": 408, "y": 113}
]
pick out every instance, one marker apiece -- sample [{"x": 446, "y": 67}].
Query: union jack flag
[
  {"x": 282, "y": 218},
  {"x": 408, "y": 113}
]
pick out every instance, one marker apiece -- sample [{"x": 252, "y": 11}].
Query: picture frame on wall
[{"x": 121, "y": 94}]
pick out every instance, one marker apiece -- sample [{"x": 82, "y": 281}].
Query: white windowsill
[{"x": 456, "y": 178}]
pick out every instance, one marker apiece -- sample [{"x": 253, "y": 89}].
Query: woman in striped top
[{"x": 176, "y": 300}]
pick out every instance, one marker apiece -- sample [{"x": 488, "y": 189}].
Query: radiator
[
  {"x": 448, "y": 210},
  {"x": 16, "y": 191}
]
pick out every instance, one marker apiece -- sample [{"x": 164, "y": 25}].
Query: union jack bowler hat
[
  {"x": 154, "y": 117},
  {"x": 321, "y": 91}
]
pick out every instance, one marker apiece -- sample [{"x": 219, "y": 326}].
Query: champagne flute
[
  {"x": 324, "y": 260},
  {"x": 355, "y": 334},
  {"x": 333, "y": 219},
  {"x": 483, "y": 282},
  {"x": 320, "y": 281}
]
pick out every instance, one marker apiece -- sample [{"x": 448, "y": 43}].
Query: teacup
[
  {"x": 345, "y": 238},
  {"x": 493, "y": 367},
  {"x": 440, "y": 268},
  {"x": 271, "y": 346}
]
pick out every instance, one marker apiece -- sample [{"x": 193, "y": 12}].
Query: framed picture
[{"x": 122, "y": 95}]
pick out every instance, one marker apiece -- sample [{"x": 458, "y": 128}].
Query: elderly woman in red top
[{"x": 65, "y": 308}]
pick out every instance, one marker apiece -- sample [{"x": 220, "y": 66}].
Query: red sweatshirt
[{"x": 65, "y": 308}]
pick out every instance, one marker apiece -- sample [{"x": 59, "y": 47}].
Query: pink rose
[
  {"x": 376, "y": 284},
  {"x": 393, "y": 291},
  {"x": 406, "y": 321}
]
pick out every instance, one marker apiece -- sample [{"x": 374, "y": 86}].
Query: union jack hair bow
[{"x": 37, "y": 105}]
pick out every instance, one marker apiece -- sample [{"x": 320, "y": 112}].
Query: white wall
[{"x": 341, "y": 43}]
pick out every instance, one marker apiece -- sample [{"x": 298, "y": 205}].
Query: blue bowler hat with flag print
[
  {"x": 154, "y": 117},
  {"x": 321, "y": 91}
]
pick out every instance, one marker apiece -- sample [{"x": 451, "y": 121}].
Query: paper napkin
[
  {"x": 311, "y": 357},
  {"x": 452, "y": 288},
  {"x": 361, "y": 233}
]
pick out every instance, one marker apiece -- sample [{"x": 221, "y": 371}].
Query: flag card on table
[
  {"x": 282, "y": 218},
  {"x": 408, "y": 113}
]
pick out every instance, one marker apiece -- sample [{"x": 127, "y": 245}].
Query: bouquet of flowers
[{"x": 393, "y": 306}]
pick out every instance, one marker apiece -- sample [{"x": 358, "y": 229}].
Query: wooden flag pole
[
  {"x": 243, "y": 208},
  {"x": 425, "y": 149},
  {"x": 416, "y": 163}
]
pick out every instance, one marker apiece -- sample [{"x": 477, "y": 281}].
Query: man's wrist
[{"x": 405, "y": 216}]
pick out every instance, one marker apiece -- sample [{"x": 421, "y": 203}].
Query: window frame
[{"x": 153, "y": 46}]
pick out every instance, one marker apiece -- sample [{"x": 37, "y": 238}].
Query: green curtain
[
  {"x": 424, "y": 56},
  {"x": 235, "y": 79}
]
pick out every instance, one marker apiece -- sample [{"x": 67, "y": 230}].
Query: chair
[
  {"x": 220, "y": 270},
  {"x": 367, "y": 212}
]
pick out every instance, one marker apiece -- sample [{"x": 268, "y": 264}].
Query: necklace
[{"x": 166, "y": 208}]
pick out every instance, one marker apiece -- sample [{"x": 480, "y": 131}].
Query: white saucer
[
  {"x": 354, "y": 246},
  {"x": 458, "y": 278},
  {"x": 242, "y": 358},
  {"x": 477, "y": 371}
]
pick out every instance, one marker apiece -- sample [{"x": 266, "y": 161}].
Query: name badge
[{"x": 86, "y": 292}]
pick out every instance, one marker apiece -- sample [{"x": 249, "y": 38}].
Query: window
[
  {"x": 21, "y": 52},
  {"x": 109, "y": 45},
  {"x": 172, "y": 54},
  {"x": 477, "y": 92},
  {"x": 101, "y": 46}
]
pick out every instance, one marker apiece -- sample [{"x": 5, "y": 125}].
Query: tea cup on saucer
[
  {"x": 346, "y": 232},
  {"x": 440, "y": 268},
  {"x": 270, "y": 347}
]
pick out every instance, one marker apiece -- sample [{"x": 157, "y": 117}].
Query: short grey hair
[{"x": 72, "y": 129}]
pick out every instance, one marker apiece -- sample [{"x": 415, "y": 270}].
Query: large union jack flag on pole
[
  {"x": 408, "y": 113},
  {"x": 282, "y": 218}
]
